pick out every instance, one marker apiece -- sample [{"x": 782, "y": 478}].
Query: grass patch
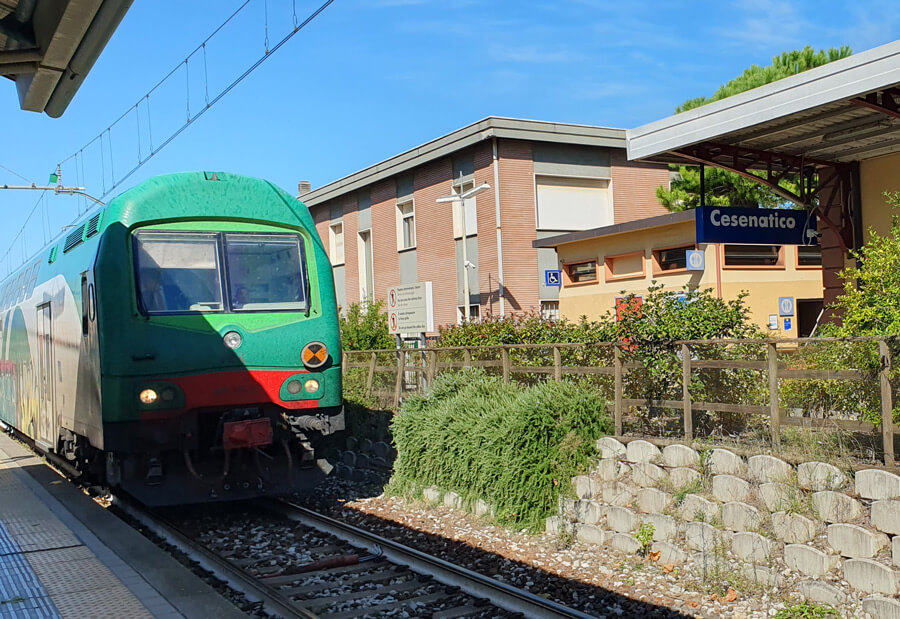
[
  {"x": 807, "y": 610},
  {"x": 516, "y": 448}
]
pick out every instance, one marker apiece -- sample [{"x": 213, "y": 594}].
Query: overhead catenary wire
[{"x": 110, "y": 181}]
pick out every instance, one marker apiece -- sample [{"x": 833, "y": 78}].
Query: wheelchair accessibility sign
[{"x": 552, "y": 277}]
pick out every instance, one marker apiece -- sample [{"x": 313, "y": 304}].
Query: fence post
[
  {"x": 370, "y": 379},
  {"x": 430, "y": 367},
  {"x": 774, "y": 414},
  {"x": 686, "y": 392},
  {"x": 617, "y": 410},
  {"x": 557, "y": 364},
  {"x": 467, "y": 357},
  {"x": 344, "y": 363},
  {"x": 398, "y": 386},
  {"x": 504, "y": 359},
  {"x": 887, "y": 404}
]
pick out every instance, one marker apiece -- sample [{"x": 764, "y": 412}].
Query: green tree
[
  {"x": 870, "y": 304},
  {"x": 727, "y": 188}
]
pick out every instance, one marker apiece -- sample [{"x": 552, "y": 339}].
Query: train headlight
[
  {"x": 233, "y": 339},
  {"x": 148, "y": 396},
  {"x": 311, "y": 386},
  {"x": 314, "y": 355},
  {"x": 294, "y": 386}
]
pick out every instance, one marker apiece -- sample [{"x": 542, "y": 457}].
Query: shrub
[
  {"x": 365, "y": 327},
  {"x": 516, "y": 448}
]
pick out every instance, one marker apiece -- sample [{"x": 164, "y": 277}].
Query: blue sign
[
  {"x": 552, "y": 278},
  {"x": 785, "y": 306},
  {"x": 695, "y": 260},
  {"x": 787, "y": 324},
  {"x": 755, "y": 226}
]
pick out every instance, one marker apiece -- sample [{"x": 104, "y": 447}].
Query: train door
[{"x": 46, "y": 426}]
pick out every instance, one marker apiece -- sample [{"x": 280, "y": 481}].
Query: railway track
[{"x": 298, "y": 563}]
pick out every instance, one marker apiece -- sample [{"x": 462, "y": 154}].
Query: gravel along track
[{"x": 322, "y": 573}]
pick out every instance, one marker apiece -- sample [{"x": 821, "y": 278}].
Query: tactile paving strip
[
  {"x": 21, "y": 593},
  {"x": 45, "y": 570}
]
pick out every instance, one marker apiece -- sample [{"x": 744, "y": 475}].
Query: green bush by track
[{"x": 515, "y": 447}]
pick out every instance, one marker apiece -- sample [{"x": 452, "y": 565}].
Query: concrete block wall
[{"x": 834, "y": 535}]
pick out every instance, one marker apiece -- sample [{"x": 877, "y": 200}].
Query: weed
[
  {"x": 692, "y": 488},
  {"x": 644, "y": 536},
  {"x": 566, "y": 537},
  {"x": 807, "y": 610}
]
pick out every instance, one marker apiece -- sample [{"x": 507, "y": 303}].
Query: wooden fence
[{"x": 412, "y": 370}]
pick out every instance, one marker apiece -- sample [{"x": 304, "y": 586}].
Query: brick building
[{"x": 383, "y": 226}]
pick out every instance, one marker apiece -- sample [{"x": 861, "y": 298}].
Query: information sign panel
[
  {"x": 552, "y": 277},
  {"x": 695, "y": 260},
  {"x": 785, "y": 306},
  {"x": 755, "y": 226},
  {"x": 410, "y": 308}
]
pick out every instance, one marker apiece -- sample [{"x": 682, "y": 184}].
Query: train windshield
[
  {"x": 265, "y": 272},
  {"x": 181, "y": 272}
]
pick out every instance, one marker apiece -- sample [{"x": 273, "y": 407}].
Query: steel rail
[
  {"x": 237, "y": 579},
  {"x": 477, "y": 585}
]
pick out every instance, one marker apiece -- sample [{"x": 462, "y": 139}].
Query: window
[
  {"x": 264, "y": 272},
  {"x": 753, "y": 255},
  {"x": 809, "y": 255},
  {"x": 572, "y": 203},
  {"x": 180, "y": 272},
  {"x": 670, "y": 259},
  {"x": 366, "y": 266},
  {"x": 336, "y": 243},
  {"x": 582, "y": 272},
  {"x": 471, "y": 210},
  {"x": 406, "y": 225},
  {"x": 550, "y": 310},
  {"x": 474, "y": 314},
  {"x": 624, "y": 266}
]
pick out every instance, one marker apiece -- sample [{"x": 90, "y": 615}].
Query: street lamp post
[{"x": 461, "y": 198}]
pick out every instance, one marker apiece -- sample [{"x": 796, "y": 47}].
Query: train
[{"x": 180, "y": 344}]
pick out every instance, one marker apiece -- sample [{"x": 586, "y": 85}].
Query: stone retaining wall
[
  {"x": 365, "y": 461},
  {"x": 833, "y": 535}
]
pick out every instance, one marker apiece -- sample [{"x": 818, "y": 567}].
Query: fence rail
[{"x": 408, "y": 371}]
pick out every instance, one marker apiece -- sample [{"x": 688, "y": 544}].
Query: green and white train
[{"x": 181, "y": 343}]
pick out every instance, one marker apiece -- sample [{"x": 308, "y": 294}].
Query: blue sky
[{"x": 371, "y": 78}]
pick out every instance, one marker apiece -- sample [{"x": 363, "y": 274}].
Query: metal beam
[
  {"x": 19, "y": 68},
  {"x": 883, "y": 102},
  {"x": 20, "y": 55}
]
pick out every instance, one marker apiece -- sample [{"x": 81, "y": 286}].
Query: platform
[{"x": 63, "y": 555}]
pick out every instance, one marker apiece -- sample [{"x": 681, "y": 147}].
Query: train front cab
[{"x": 232, "y": 363}]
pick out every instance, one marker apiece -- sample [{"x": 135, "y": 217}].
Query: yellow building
[{"x": 783, "y": 282}]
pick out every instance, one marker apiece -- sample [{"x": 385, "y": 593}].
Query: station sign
[
  {"x": 552, "y": 277},
  {"x": 410, "y": 308},
  {"x": 785, "y": 306},
  {"x": 755, "y": 226}
]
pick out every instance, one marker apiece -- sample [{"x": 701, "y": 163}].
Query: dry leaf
[
  {"x": 668, "y": 568},
  {"x": 654, "y": 555},
  {"x": 732, "y": 595},
  {"x": 693, "y": 604},
  {"x": 714, "y": 597}
]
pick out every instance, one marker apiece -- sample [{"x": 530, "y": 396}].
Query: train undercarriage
[{"x": 208, "y": 455}]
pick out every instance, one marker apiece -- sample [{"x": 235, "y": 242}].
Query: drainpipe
[{"x": 499, "y": 233}]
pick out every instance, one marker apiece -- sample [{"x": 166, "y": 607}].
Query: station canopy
[
  {"x": 842, "y": 112},
  {"x": 47, "y": 47}
]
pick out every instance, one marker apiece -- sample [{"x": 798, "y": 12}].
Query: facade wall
[
  {"x": 877, "y": 176},
  {"x": 434, "y": 236},
  {"x": 764, "y": 284},
  {"x": 634, "y": 188},
  {"x": 488, "y": 261},
  {"x": 350, "y": 218},
  {"x": 517, "y": 214},
  {"x": 383, "y": 196}
]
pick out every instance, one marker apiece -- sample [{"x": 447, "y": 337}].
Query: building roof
[
  {"x": 847, "y": 110},
  {"x": 629, "y": 226},
  {"x": 47, "y": 47},
  {"x": 487, "y": 128}
]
